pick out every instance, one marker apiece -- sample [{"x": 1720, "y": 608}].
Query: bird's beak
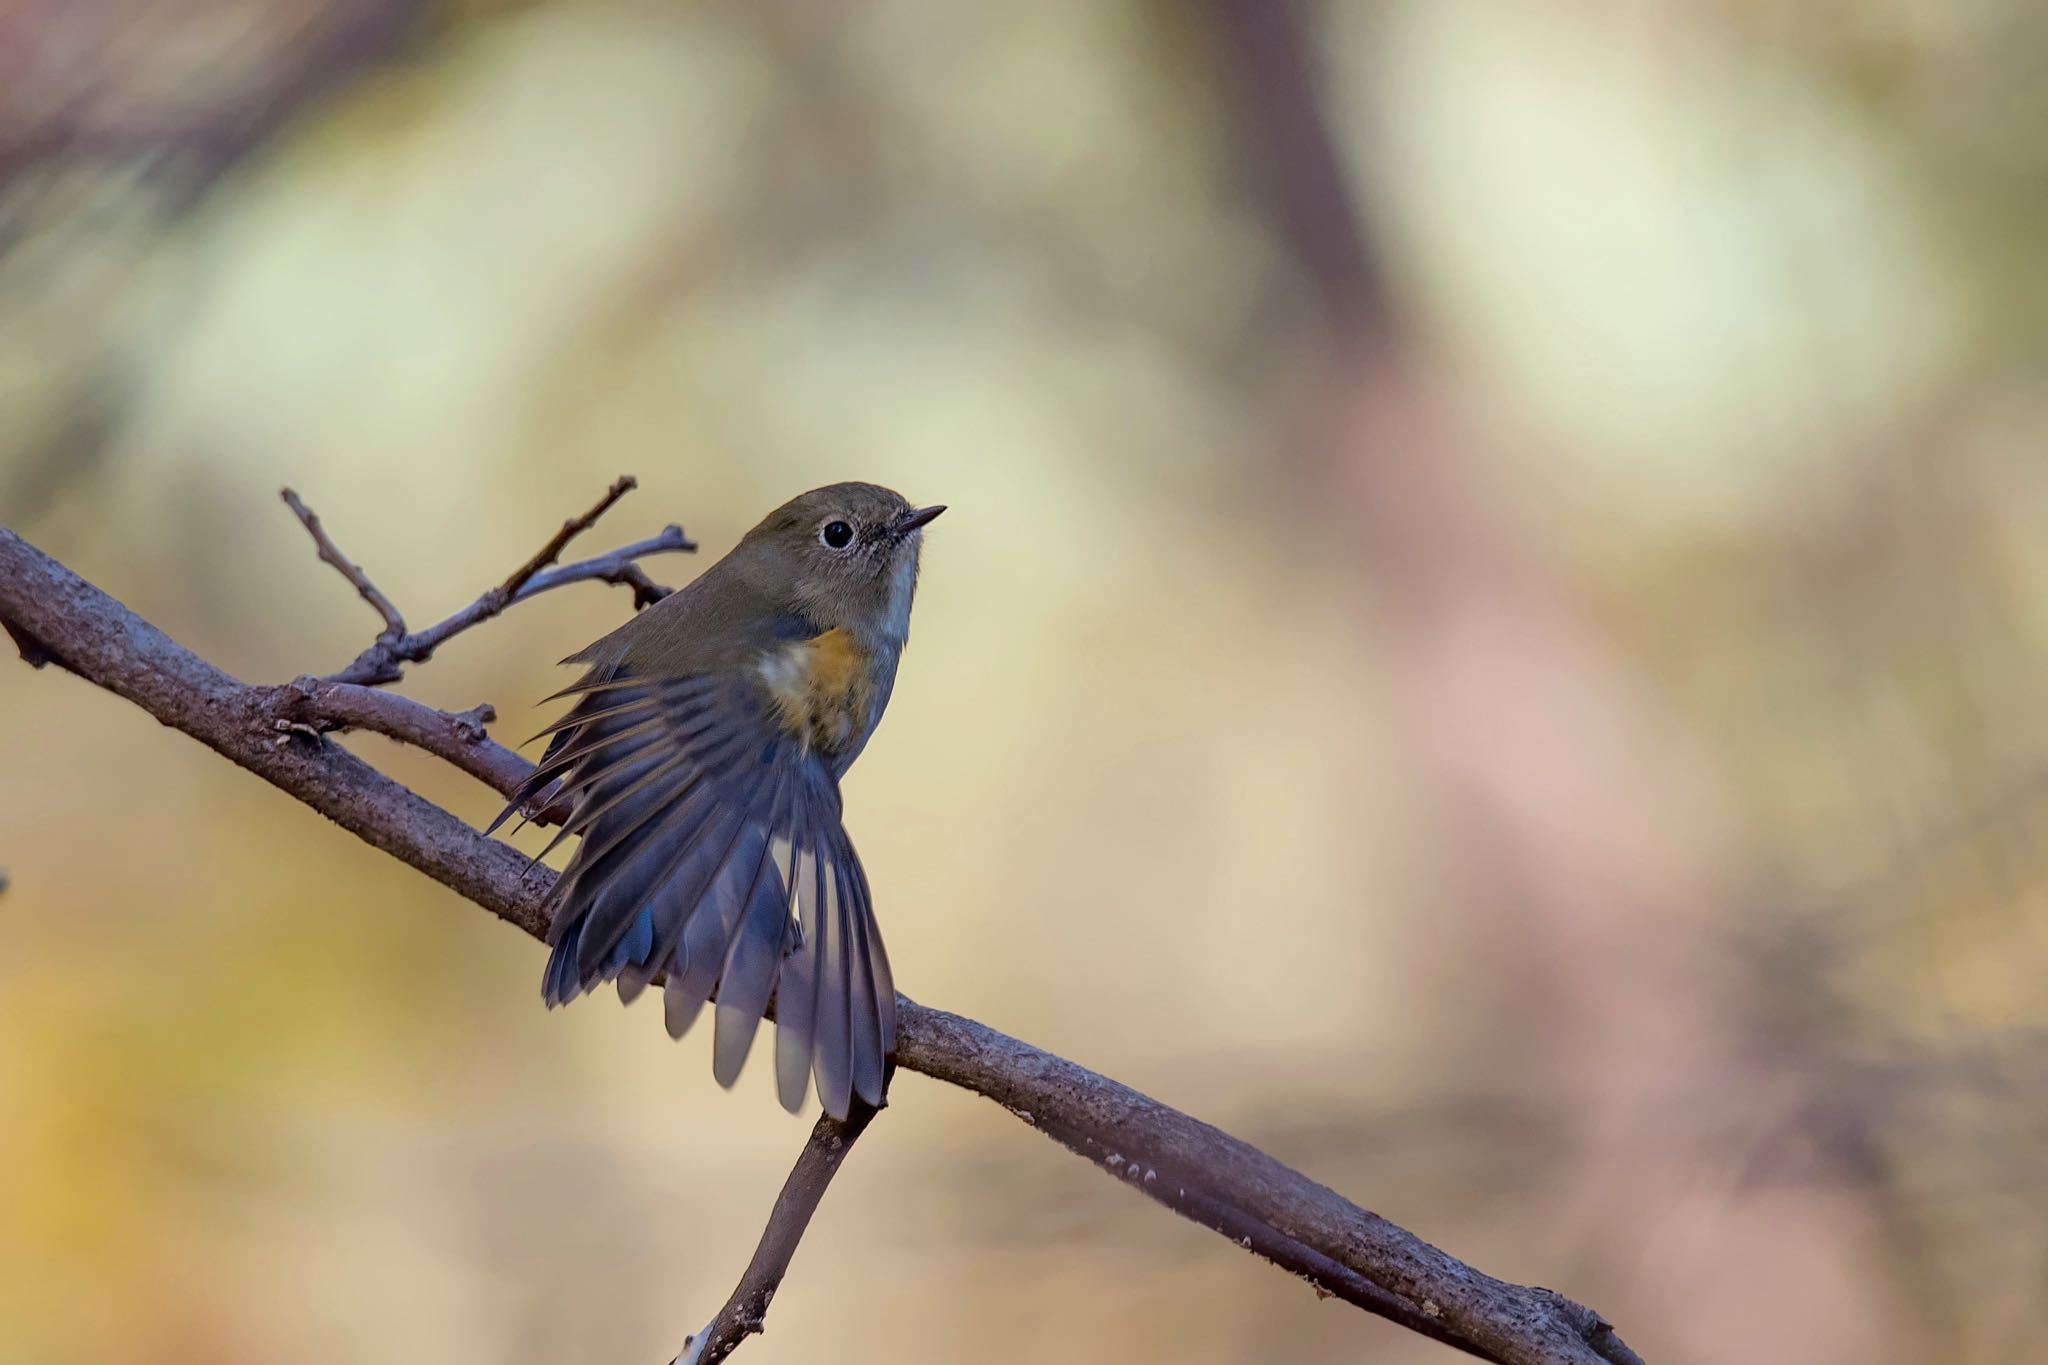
[{"x": 916, "y": 517}]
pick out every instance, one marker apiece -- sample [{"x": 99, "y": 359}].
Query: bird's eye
[{"x": 836, "y": 535}]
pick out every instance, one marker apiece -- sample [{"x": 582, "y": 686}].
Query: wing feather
[
  {"x": 865, "y": 1037},
  {"x": 712, "y": 853},
  {"x": 796, "y": 995}
]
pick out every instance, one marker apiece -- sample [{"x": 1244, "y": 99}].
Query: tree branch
[
  {"x": 96, "y": 637},
  {"x": 315, "y": 706},
  {"x": 1325, "y": 1276},
  {"x": 746, "y": 1311},
  {"x": 395, "y": 646}
]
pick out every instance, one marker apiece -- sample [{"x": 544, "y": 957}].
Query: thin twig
[
  {"x": 380, "y": 662},
  {"x": 384, "y": 660},
  {"x": 559, "y": 541},
  {"x": 618, "y": 567},
  {"x": 746, "y": 1311},
  {"x": 394, "y": 624},
  {"x": 101, "y": 640}
]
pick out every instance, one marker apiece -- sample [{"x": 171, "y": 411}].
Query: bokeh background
[{"x": 1489, "y": 640}]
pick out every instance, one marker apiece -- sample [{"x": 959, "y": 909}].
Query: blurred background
[{"x": 1488, "y": 641}]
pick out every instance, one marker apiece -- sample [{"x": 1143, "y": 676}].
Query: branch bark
[
  {"x": 315, "y": 706},
  {"x": 1307, "y": 1227}
]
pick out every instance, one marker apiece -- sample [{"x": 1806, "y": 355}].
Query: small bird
[{"x": 700, "y": 764}]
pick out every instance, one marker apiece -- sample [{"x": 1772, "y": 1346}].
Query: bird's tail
[{"x": 712, "y": 855}]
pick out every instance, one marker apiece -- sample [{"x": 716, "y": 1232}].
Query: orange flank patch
[
  {"x": 838, "y": 665},
  {"x": 821, "y": 688}
]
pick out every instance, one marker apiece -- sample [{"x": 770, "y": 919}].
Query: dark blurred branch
[
  {"x": 288, "y": 58},
  {"x": 746, "y": 1312},
  {"x": 1285, "y": 147},
  {"x": 395, "y": 646},
  {"x": 1303, "y": 1225},
  {"x": 158, "y": 104}
]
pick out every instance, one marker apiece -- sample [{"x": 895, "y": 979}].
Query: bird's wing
[{"x": 712, "y": 852}]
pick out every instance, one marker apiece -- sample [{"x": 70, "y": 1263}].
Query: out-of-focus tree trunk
[
  {"x": 1580, "y": 836},
  {"x": 1575, "y": 831}
]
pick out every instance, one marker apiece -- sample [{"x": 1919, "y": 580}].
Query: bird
[{"x": 700, "y": 764}]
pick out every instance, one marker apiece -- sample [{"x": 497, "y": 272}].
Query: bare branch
[
  {"x": 318, "y": 706},
  {"x": 394, "y": 624},
  {"x": 395, "y": 646},
  {"x": 99, "y": 639},
  {"x": 747, "y": 1310},
  {"x": 1116, "y": 1126},
  {"x": 1328, "y": 1278}
]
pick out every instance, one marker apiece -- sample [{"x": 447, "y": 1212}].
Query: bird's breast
[{"x": 823, "y": 690}]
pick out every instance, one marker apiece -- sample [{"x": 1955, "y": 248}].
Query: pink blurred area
[{"x": 1540, "y": 732}]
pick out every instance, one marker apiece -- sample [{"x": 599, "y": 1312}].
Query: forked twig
[
  {"x": 395, "y": 646},
  {"x": 508, "y": 591}
]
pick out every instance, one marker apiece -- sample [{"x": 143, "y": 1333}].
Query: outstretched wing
[{"x": 712, "y": 853}]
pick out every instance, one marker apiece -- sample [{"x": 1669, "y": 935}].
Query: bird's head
[{"x": 845, "y": 555}]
